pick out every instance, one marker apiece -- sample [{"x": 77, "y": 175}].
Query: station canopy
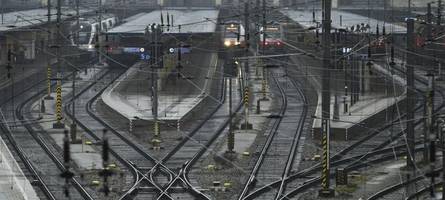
[{"x": 184, "y": 21}]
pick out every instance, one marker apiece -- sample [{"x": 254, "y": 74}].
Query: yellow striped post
[
  {"x": 325, "y": 191},
  {"x": 59, "y": 117},
  {"x": 59, "y": 103}
]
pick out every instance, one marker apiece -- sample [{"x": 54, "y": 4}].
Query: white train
[
  {"x": 86, "y": 35},
  {"x": 233, "y": 34}
]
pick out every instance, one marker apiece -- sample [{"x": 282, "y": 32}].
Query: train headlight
[
  {"x": 90, "y": 46},
  {"x": 227, "y": 43},
  {"x": 237, "y": 43}
]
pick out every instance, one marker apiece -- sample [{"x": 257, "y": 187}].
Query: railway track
[
  {"x": 371, "y": 144},
  {"x": 397, "y": 187},
  {"x": 45, "y": 167},
  {"x": 127, "y": 152},
  {"x": 26, "y": 165},
  {"x": 394, "y": 188},
  {"x": 393, "y": 138},
  {"x": 134, "y": 157},
  {"x": 186, "y": 155},
  {"x": 278, "y": 153}
]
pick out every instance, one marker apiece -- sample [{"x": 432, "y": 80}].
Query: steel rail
[
  {"x": 45, "y": 147},
  {"x": 183, "y": 173}
]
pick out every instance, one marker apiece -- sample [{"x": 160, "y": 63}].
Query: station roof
[
  {"x": 191, "y": 21},
  {"x": 13, "y": 21},
  {"x": 304, "y": 18}
]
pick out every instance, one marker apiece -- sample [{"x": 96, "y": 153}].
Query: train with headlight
[
  {"x": 85, "y": 34},
  {"x": 233, "y": 34}
]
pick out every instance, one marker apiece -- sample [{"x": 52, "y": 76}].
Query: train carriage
[
  {"x": 86, "y": 35},
  {"x": 272, "y": 36},
  {"x": 233, "y": 34}
]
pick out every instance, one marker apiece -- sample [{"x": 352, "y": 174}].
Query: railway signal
[
  {"x": 67, "y": 174},
  {"x": 246, "y": 125},
  {"x": 106, "y": 171},
  {"x": 48, "y": 83},
  {"x": 231, "y": 137}
]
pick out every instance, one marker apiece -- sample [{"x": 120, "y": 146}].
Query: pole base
[
  {"x": 42, "y": 106},
  {"x": 230, "y": 155},
  {"x": 156, "y": 142},
  {"x": 326, "y": 193},
  {"x": 73, "y": 133},
  {"x": 49, "y": 98},
  {"x": 58, "y": 125},
  {"x": 246, "y": 126}
]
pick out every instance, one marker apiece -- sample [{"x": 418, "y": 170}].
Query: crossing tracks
[{"x": 277, "y": 155}]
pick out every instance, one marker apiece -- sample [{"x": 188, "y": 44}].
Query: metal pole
[
  {"x": 409, "y": 8},
  {"x": 336, "y": 115},
  {"x": 263, "y": 42},
  {"x": 264, "y": 28},
  {"x": 441, "y": 130},
  {"x": 247, "y": 36},
  {"x": 59, "y": 124},
  {"x": 326, "y": 99},
  {"x": 157, "y": 49},
  {"x": 73, "y": 127},
  {"x": 48, "y": 62},
  {"x": 3, "y": 9},
  {"x": 257, "y": 26},
  {"x": 246, "y": 65},
  {"x": 439, "y": 12},
  {"x": 426, "y": 151},
  {"x": 77, "y": 21},
  {"x": 410, "y": 95},
  {"x": 429, "y": 24},
  {"x": 231, "y": 138},
  {"x": 430, "y": 128},
  {"x": 48, "y": 6},
  {"x": 99, "y": 32}
]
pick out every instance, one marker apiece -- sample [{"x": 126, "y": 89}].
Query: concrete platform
[
  {"x": 370, "y": 111},
  {"x": 174, "y": 104},
  {"x": 14, "y": 185}
]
